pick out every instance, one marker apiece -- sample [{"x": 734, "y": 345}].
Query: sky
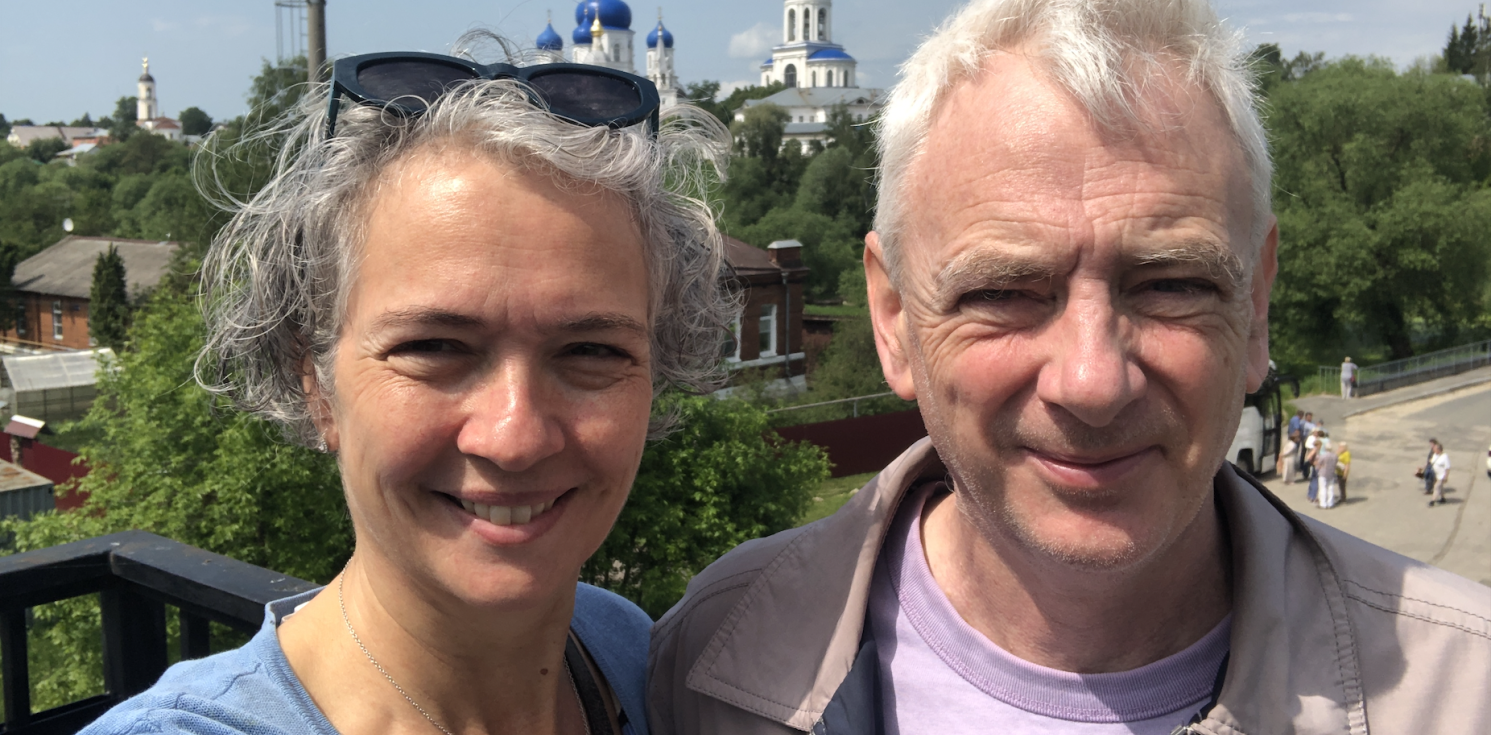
[{"x": 56, "y": 66}]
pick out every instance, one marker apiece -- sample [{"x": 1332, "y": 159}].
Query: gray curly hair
[{"x": 275, "y": 280}]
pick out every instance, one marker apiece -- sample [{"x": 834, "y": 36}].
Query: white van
[{"x": 1255, "y": 447}]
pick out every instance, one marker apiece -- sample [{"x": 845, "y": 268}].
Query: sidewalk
[
  {"x": 1385, "y": 504},
  {"x": 1333, "y": 409}
]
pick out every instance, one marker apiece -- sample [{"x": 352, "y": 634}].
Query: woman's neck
[{"x": 473, "y": 670}]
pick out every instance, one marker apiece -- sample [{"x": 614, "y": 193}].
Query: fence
[
  {"x": 136, "y": 574},
  {"x": 52, "y": 463},
  {"x": 862, "y": 444},
  {"x": 1398, "y": 373},
  {"x": 853, "y": 403}
]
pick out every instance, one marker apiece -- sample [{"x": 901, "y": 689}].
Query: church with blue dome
[
  {"x": 819, "y": 75},
  {"x": 603, "y": 36}
]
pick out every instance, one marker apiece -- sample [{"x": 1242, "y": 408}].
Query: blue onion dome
[
  {"x": 613, "y": 14},
  {"x": 667, "y": 36},
  {"x": 581, "y": 36},
  {"x": 549, "y": 40}
]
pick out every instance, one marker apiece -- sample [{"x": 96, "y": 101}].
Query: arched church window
[
  {"x": 822, "y": 23},
  {"x": 814, "y": 76},
  {"x": 791, "y": 25},
  {"x": 789, "y": 75},
  {"x": 807, "y": 23}
]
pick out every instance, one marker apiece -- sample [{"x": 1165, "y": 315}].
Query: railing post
[
  {"x": 17, "y": 677},
  {"x": 134, "y": 641},
  {"x": 196, "y": 636}
]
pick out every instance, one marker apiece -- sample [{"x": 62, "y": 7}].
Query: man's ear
[
  {"x": 888, "y": 319},
  {"x": 319, "y": 405},
  {"x": 1264, "y": 272}
]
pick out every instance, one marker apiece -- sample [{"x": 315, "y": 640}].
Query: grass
[{"x": 832, "y": 495}]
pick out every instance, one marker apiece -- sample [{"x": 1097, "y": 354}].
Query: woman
[
  {"x": 470, "y": 290},
  {"x": 1439, "y": 464}
]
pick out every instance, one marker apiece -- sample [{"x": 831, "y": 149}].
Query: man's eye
[
  {"x": 1182, "y": 286},
  {"x": 993, "y": 295}
]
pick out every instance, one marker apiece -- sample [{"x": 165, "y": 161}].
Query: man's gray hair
[
  {"x": 276, "y": 278},
  {"x": 1101, "y": 52}
]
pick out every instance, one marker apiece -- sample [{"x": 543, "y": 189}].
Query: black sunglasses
[{"x": 407, "y": 82}]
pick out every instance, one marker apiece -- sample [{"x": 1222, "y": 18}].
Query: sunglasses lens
[
  {"x": 587, "y": 97},
  {"x": 413, "y": 83}
]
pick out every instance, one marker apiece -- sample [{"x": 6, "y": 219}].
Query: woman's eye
[
  {"x": 591, "y": 349},
  {"x": 425, "y": 347}
]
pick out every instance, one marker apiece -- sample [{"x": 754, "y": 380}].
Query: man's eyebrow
[
  {"x": 985, "y": 270},
  {"x": 1218, "y": 259}
]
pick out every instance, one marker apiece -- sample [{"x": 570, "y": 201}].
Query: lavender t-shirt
[{"x": 939, "y": 675}]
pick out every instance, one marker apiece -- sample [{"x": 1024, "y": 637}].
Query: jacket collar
[{"x": 791, "y": 640}]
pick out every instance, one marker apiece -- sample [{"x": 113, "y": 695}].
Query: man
[
  {"x": 1428, "y": 470},
  {"x": 1070, "y": 273},
  {"x": 1325, "y": 472},
  {"x": 1348, "y": 378},
  {"x": 1439, "y": 462},
  {"x": 1307, "y": 428}
]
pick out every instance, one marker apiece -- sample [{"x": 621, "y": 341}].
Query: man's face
[{"x": 1078, "y": 313}]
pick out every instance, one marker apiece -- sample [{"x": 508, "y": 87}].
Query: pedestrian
[
  {"x": 1441, "y": 466},
  {"x": 1306, "y": 430},
  {"x": 1348, "y": 379},
  {"x": 1294, "y": 422},
  {"x": 1343, "y": 470},
  {"x": 1426, "y": 473},
  {"x": 1325, "y": 476},
  {"x": 1312, "y": 448},
  {"x": 1288, "y": 465}
]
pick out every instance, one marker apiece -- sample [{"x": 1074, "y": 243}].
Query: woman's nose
[{"x": 512, "y": 421}]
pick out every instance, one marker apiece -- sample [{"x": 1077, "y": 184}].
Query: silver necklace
[{"x": 342, "y": 603}]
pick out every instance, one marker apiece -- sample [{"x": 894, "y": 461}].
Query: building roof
[
  {"x": 614, "y": 14},
  {"x": 822, "y": 97},
  {"x": 22, "y": 135},
  {"x": 66, "y": 269},
  {"x": 14, "y": 478},
  {"x": 805, "y": 128},
  {"x": 829, "y": 54},
  {"x": 54, "y": 370},
  {"x": 666, "y": 35}
]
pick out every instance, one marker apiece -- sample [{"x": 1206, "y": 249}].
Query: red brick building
[
  {"x": 54, "y": 285},
  {"x": 769, "y": 329}
]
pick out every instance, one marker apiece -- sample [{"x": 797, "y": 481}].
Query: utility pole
[{"x": 315, "y": 53}]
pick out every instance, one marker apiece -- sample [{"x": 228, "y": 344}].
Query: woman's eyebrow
[{"x": 603, "y": 321}]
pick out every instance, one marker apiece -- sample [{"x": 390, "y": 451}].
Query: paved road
[{"x": 1385, "y": 503}]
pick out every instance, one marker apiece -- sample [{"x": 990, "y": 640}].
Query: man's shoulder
[
  {"x": 713, "y": 592},
  {"x": 1393, "y": 584}
]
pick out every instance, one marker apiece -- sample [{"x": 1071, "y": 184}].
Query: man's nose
[
  {"x": 512, "y": 420},
  {"x": 1091, "y": 371}
]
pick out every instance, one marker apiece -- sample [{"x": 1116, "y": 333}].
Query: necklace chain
[{"x": 342, "y": 603}]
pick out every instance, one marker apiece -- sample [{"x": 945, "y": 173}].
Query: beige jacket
[{"x": 1330, "y": 633}]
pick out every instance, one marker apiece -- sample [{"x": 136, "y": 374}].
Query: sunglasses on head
[{"x": 408, "y": 82}]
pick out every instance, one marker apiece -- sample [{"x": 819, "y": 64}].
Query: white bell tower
[{"x": 147, "y": 107}]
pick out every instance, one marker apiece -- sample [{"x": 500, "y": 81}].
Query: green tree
[
  {"x": 169, "y": 458},
  {"x": 10, "y": 301},
  {"x": 86, "y": 121},
  {"x": 108, "y": 303},
  {"x": 703, "y": 94},
  {"x": 122, "y": 122},
  {"x": 1382, "y": 210},
  {"x": 4, "y": 126},
  {"x": 829, "y": 246},
  {"x": 722, "y": 479},
  {"x": 46, "y": 149},
  {"x": 195, "y": 122}
]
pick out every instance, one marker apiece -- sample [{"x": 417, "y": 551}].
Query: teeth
[
  {"x": 507, "y": 515},
  {"x": 502, "y": 515}
]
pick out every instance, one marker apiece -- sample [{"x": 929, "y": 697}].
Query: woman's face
[{"x": 492, "y": 378}]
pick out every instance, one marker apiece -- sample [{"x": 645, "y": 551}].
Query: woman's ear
[{"x": 318, "y": 404}]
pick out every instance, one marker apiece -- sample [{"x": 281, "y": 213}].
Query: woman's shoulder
[
  {"x": 615, "y": 633},
  {"x": 246, "y": 691}
]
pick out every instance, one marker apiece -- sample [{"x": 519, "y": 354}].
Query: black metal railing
[{"x": 135, "y": 574}]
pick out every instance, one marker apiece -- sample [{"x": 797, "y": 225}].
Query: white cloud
[
  {"x": 164, "y": 26},
  {"x": 754, "y": 42}
]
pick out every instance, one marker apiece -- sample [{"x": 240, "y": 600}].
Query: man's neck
[{"x": 1080, "y": 620}]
